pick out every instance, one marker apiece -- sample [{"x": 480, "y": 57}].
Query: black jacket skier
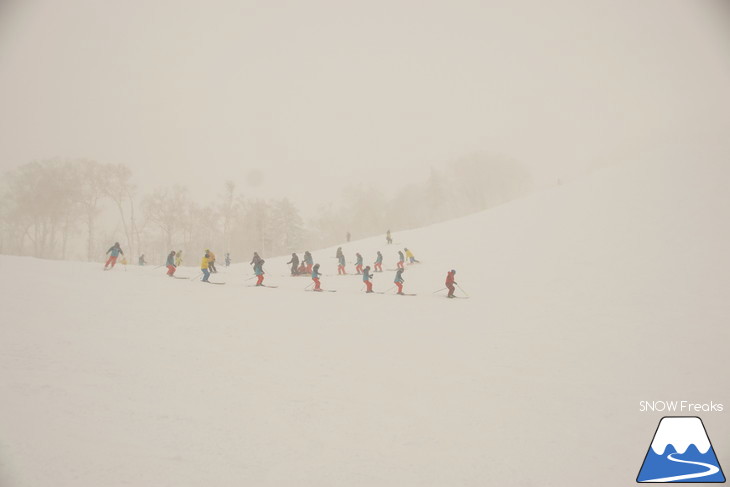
[{"x": 294, "y": 264}]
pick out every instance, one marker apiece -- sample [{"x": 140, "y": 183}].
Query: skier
[
  {"x": 401, "y": 260},
  {"x": 113, "y": 252},
  {"x": 388, "y": 238},
  {"x": 366, "y": 276},
  {"x": 171, "y": 267},
  {"x": 255, "y": 259},
  {"x": 411, "y": 258},
  {"x": 450, "y": 283},
  {"x": 348, "y": 236},
  {"x": 178, "y": 258},
  {"x": 258, "y": 269},
  {"x": 308, "y": 261},
  {"x": 302, "y": 269},
  {"x": 294, "y": 264},
  {"x": 399, "y": 280},
  {"x": 339, "y": 252},
  {"x": 205, "y": 266},
  {"x": 358, "y": 263},
  {"x": 228, "y": 259},
  {"x": 378, "y": 266},
  {"x": 141, "y": 260},
  {"x": 315, "y": 277},
  {"x": 211, "y": 261},
  {"x": 341, "y": 264}
]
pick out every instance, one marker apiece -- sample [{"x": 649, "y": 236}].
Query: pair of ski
[
  {"x": 321, "y": 290},
  {"x": 263, "y": 285}
]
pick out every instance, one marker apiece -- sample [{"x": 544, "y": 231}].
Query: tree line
[{"x": 74, "y": 209}]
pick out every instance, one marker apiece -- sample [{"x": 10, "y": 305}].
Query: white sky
[{"x": 320, "y": 94}]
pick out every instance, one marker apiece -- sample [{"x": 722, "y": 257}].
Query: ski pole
[
  {"x": 462, "y": 290},
  {"x": 195, "y": 277},
  {"x": 386, "y": 292},
  {"x": 157, "y": 267},
  {"x": 442, "y": 289},
  {"x": 250, "y": 278},
  {"x": 310, "y": 285}
]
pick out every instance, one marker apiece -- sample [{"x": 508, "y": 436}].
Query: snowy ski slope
[{"x": 585, "y": 299}]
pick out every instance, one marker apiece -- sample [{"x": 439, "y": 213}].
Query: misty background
[{"x": 280, "y": 126}]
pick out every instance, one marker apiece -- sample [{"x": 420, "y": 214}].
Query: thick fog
[{"x": 328, "y": 117}]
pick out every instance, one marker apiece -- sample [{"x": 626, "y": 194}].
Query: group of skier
[{"x": 305, "y": 266}]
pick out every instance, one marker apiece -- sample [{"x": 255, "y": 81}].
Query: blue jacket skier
[
  {"x": 366, "y": 278},
  {"x": 341, "y": 264},
  {"x": 399, "y": 280},
  {"x": 113, "y": 252},
  {"x": 378, "y": 266},
  {"x": 315, "y": 277},
  {"x": 258, "y": 269}
]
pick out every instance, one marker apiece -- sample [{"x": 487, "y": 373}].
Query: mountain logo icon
[{"x": 681, "y": 452}]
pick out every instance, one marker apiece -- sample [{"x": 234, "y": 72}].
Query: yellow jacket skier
[
  {"x": 204, "y": 265},
  {"x": 211, "y": 261}
]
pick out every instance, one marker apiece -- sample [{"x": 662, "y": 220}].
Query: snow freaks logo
[{"x": 681, "y": 452}]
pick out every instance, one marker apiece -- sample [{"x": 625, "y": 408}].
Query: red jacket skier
[{"x": 450, "y": 283}]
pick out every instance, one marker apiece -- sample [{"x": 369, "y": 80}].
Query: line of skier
[{"x": 304, "y": 267}]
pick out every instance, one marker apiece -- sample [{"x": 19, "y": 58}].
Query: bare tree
[
  {"x": 92, "y": 182},
  {"x": 165, "y": 208}
]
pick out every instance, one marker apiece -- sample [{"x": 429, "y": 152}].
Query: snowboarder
[
  {"x": 308, "y": 261},
  {"x": 378, "y": 266},
  {"x": 341, "y": 264},
  {"x": 450, "y": 283},
  {"x": 315, "y": 277},
  {"x": 348, "y": 236},
  {"x": 294, "y": 264},
  {"x": 205, "y": 266},
  {"x": 211, "y": 261},
  {"x": 258, "y": 269},
  {"x": 401, "y": 260},
  {"x": 171, "y": 267},
  {"x": 113, "y": 252},
  {"x": 399, "y": 280},
  {"x": 366, "y": 276},
  {"x": 255, "y": 259},
  {"x": 410, "y": 257},
  {"x": 358, "y": 263},
  {"x": 388, "y": 238},
  {"x": 228, "y": 259},
  {"x": 141, "y": 260},
  {"x": 178, "y": 258}
]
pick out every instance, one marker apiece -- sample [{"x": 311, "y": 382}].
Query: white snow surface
[
  {"x": 585, "y": 299},
  {"x": 681, "y": 433}
]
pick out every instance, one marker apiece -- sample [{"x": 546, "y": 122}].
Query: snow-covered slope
[{"x": 585, "y": 299}]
